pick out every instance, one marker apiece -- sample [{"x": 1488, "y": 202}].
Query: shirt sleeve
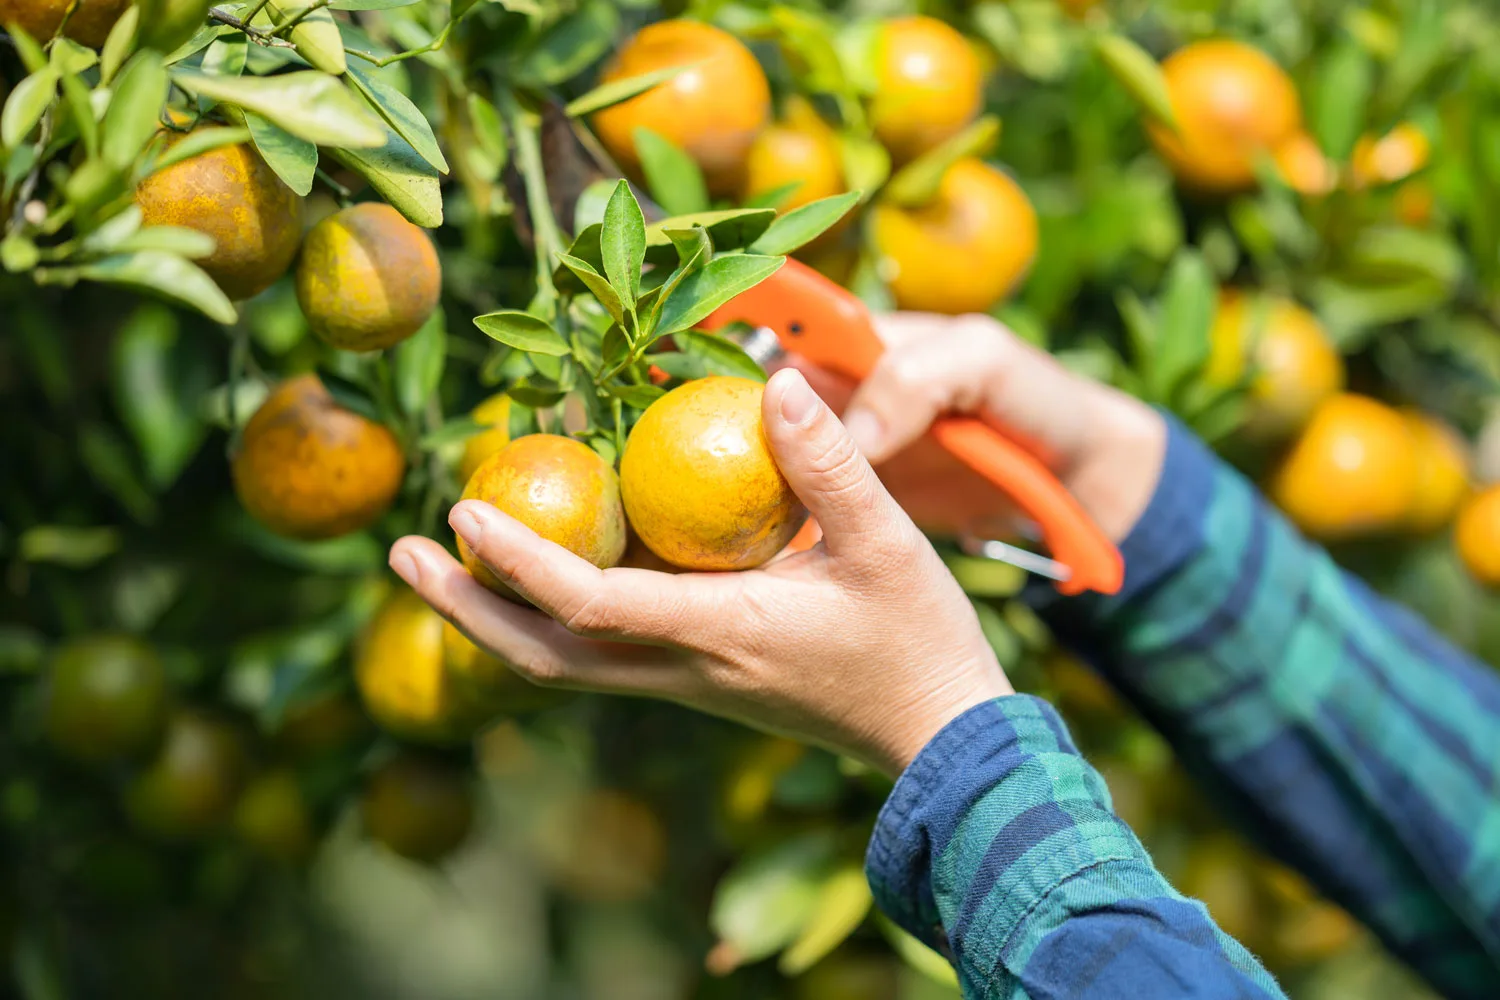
[
  {"x": 998, "y": 846},
  {"x": 1344, "y": 734}
]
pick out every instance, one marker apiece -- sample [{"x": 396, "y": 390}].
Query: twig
[
  {"x": 257, "y": 35},
  {"x": 421, "y": 50},
  {"x": 33, "y": 176}
]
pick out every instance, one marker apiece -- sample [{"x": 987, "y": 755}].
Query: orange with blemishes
[
  {"x": 418, "y": 806},
  {"x": 229, "y": 194},
  {"x": 1295, "y": 364},
  {"x": 1353, "y": 472},
  {"x": 308, "y": 468},
  {"x": 367, "y": 279},
  {"x": 40, "y": 19},
  {"x": 713, "y": 110},
  {"x": 699, "y": 483},
  {"x": 1477, "y": 536},
  {"x": 1233, "y": 104},
  {"x": 929, "y": 84},
  {"x": 963, "y": 252},
  {"x": 1442, "y": 472},
  {"x": 558, "y": 487}
]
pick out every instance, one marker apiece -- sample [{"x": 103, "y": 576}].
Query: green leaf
[
  {"x": 166, "y": 275},
  {"x": 622, "y": 243},
  {"x": 167, "y": 24},
  {"x": 916, "y": 954},
  {"x": 18, "y": 253},
  {"x": 917, "y": 183},
  {"x": 524, "y": 332},
  {"x": 866, "y": 163},
  {"x": 570, "y": 45},
  {"x": 401, "y": 115},
  {"x": 370, "y": 4},
  {"x": 1140, "y": 75},
  {"x": 588, "y": 210},
  {"x": 107, "y": 460},
  {"x": 201, "y": 40},
  {"x": 226, "y": 56},
  {"x": 294, "y": 160},
  {"x": 316, "y": 36},
  {"x": 32, "y": 55},
  {"x": 844, "y": 900},
  {"x": 716, "y": 355},
  {"x": 618, "y": 91},
  {"x": 775, "y": 197},
  {"x": 420, "y": 359},
  {"x": 134, "y": 109},
  {"x": 81, "y": 110},
  {"x": 638, "y": 396},
  {"x": 708, "y": 288},
  {"x": 197, "y": 142},
  {"x": 1186, "y": 313},
  {"x": 401, "y": 177},
  {"x": 26, "y": 105},
  {"x": 308, "y": 104},
  {"x": 765, "y": 900},
  {"x": 598, "y": 284},
  {"x": 672, "y": 176},
  {"x": 538, "y": 397},
  {"x": 119, "y": 44},
  {"x": 730, "y": 228},
  {"x": 694, "y": 246},
  {"x": 148, "y": 375},
  {"x": 1340, "y": 96},
  {"x": 1140, "y": 328},
  {"x": 802, "y": 225},
  {"x": 69, "y": 58},
  {"x": 122, "y": 233},
  {"x": 451, "y": 432},
  {"x": 489, "y": 130}
]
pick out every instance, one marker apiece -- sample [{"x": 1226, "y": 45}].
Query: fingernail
[
  {"x": 866, "y": 430},
  {"x": 405, "y": 567},
  {"x": 798, "y": 401},
  {"x": 468, "y": 523}
]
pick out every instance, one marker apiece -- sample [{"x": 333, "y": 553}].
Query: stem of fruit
[
  {"x": 617, "y": 410},
  {"x": 239, "y": 353},
  {"x": 29, "y": 183},
  {"x": 547, "y": 236},
  {"x": 256, "y": 35}
]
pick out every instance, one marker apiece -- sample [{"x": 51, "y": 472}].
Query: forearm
[
  {"x": 999, "y": 846},
  {"x": 1357, "y": 744}
]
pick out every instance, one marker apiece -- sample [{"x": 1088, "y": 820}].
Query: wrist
[
  {"x": 920, "y": 725},
  {"x": 1116, "y": 476}
]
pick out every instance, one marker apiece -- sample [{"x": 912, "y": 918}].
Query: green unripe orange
[
  {"x": 40, "y": 19},
  {"x": 106, "y": 698},
  {"x": 190, "y": 789},
  {"x": 420, "y": 807}
]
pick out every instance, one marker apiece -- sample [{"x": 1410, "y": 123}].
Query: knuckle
[
  {"x": 541, "y": 667},
  {"x": 590, "y": 616}
]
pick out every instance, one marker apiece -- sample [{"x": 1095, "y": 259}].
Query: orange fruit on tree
[
  {"x": 40, "y": 19},
  {"x": 712, "y": 110},
  {"x": 929, "y": 84},
  {"x": 558, "y": 487},
  {"x": 1233, "y": 104},
  {"x": 1295, "y": 365},
  {"x": 273, "y": 818},
  {"x": 1477, "y": 535},
  {"x": 1442, "y": 472},
  {"x": 964, "y": 251},
  {"x": 229, "y": 194},
  {"x": 308, "y": 468},
  {"x": 323, "y": 724},
  {"x": 1393, "y": 157},
  {"x": 106, "y": 698},
  {"x": 699, "y": 483},
  {"x": 419, "y": 806},
  {"x": 367, "y": 279},
  {"x": 484, "y": 679},
  {"x": 1303, "y": 166},
  {"x": 494, "y": 414},
  {"x": 801, "y": 151},
  {"x": 190, "y": 789},
  {"x": 1352, "y": 472}
]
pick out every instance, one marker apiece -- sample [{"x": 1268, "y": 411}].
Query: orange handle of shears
[{"x": 824, "y": 323}]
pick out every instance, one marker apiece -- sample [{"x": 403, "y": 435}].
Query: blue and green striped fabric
[{"x": 1341, "y": 732}]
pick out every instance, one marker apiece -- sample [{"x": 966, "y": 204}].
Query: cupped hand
[
  {"x": 863, "y": 644},
  {"x": 1105, "y": 447}
]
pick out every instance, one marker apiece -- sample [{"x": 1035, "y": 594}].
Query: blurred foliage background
[{"x": 197, "y": 800}]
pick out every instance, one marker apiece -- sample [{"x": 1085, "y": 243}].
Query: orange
[
  {"x": 494, "y": 413},
  {"x": 1393, "y": 157},
  {"x": 699, "y": 483},
  {"x": 308, "y": 468},
  {"x": 1442, "y": 472},
  {"x": 40, "y": 19},
  {"x": 367, "y": 279},
  {"x": 229, "y": 194},
  {"x": 272, "y": 817},
  {"x": 484, "y": 679},
  {"x": 1352, "y": 472},
  {"x": 964, "y": 251},
  {"x": 1296, "y": 366},
  {"x": 1477, "y": 536},
  {"x": 400, "y": 669},
  {"x": 558, "y": 487},
  {"x": 418, "y": 806},
  {"x": 107, "y": 698},
  {"x": 1233, "y": 103},
  {"x": 713, "y": 110},
  {"x": 190, "y": 789},
  {"x": 800, "y": 150},
  {"x": 323, "y": 724},
  {"x": 1303, "y": 166},
  {"x": 929, "y": 84},
  {"x": 603, "y": 845}
]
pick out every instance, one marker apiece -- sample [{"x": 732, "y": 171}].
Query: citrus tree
[{"x": 283, "y": 279}]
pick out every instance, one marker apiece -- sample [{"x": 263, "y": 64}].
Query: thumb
[{"x": 823, "y": 466}]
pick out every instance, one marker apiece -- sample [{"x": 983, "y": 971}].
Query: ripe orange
[
  {"x": 400, "y": 669},
  {"x": 713, "y": 111},
  {"x": 1442, "y": 472},
  {"x": 1296, "y": 366},
  {"x": 190, "y": 789},
  {"x": 966, "y": 250},
  {"x": 800, "y": 150},
  {"x": 1352, "y": 472},
  {"x": 1233, "y": 103},
  {"x": 40, "y": 19},
  {"x": 699, "y": 483},
  {"x": 1477, "y": 536},
  {"x": 367, "y": 279},
  {"x": 230, "y": 194},
  {"x": 558, "y": 487},
  {"x": 309, "y": 468},
  {"x": 107, "y": 698},
  {"x": 1303, "y": 166},
  {"x": 928, "y": 85},
  {"x": 1393, "y": 157},
  {"x": 272, "y": 817},
  {"x": 418, "y": 806},
  {"x": 494, "y": 413},
  {"x": 483, "y": 679}
]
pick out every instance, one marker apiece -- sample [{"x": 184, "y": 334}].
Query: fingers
[
  {"x": 936, "y": 365},
  {"x": 824, "y": 467}
]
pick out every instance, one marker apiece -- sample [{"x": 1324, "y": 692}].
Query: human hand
[
  {"x": 863, "y": 644},
  {"x": 1105, "y": 447}
]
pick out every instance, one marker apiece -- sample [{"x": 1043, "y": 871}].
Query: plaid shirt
[{"x": 1351, "y": 741}]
